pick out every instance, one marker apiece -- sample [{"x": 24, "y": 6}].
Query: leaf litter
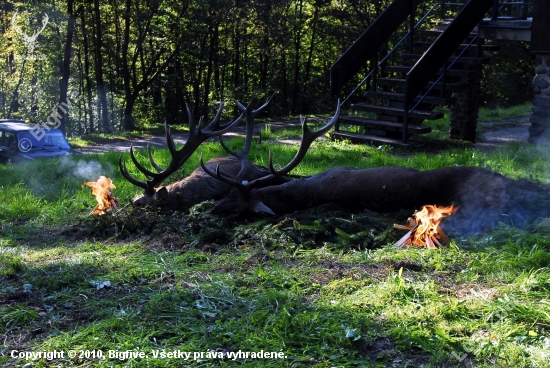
[{"x": 327, "y": 225}]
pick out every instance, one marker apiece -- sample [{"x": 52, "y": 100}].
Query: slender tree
[
  {"x": 66, "y": 69},
  {"x": 101, "y": 91}
]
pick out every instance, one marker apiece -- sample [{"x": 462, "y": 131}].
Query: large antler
[
  {"x": 197, "y": 135},
  {"x": 308, "y": 137},
  {"x": 243, "y": 155}
]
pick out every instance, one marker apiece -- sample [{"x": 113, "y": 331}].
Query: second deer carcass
[
  {"x": 380, "y": 189},
  {"x": 383, "y": 189}
]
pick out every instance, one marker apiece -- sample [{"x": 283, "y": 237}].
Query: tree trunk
[
  {"x": 297, "y": 47},
  {"x": 237, "y": 62},
  {"x": 264, "y": 63},
  {"x": 209, "y": 67},
  {"x": 101, "y": 92},
  {"x": 66, "y": 71},
  {"x": 128, "y": 118},
  {"x": 14, "y": 105},
  {"x": 306, "y": 100},
  {"x": 89, "y": 109}
]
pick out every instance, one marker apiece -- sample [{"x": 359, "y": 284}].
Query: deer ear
[
  {"x": 162, "y": 194},
  {"x": 260, "y": 207}
]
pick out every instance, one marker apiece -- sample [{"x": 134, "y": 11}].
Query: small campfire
[
  {"x": 101, "y": 189},
  {"x": 423, "y": 227}
]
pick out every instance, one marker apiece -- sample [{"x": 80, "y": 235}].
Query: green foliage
[
  {"x": 507, "y": 77},
  {"x": 155, "y": 56}
]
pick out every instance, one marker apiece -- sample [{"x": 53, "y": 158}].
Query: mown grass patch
[{"x": 325, "y": 287}]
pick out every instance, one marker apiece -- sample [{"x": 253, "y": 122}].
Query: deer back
[{"x": 380, "y": 189}]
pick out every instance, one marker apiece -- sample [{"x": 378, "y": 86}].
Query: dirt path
[
  {"x": 179, "y": 138},
  {"x": 495, "y": 134},
  {"x": 500, "y": 133}
]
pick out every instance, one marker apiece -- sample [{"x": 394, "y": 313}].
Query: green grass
[
  {"x": 325, "y": 288},
  {"x": 440, "y": 127},
  {"x": 102, "y": 138},
  {"x": 498, "y": 113}
]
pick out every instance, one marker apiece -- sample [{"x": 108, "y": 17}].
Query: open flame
[
  {"x": 423, "y": 227},
  {"x": 101, "y": 189}
]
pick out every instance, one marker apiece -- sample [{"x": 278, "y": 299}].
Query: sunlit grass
[
  {"x": 483, "y": 301},
  {"x": 498, "y": 113}
]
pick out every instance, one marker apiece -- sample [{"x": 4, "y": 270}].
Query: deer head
[
  {"x": 197, "y": 135},
  {"x": 246, "y": 198},
  {"x": 198, "y": 186}
]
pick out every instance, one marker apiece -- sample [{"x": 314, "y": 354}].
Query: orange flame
[
  {"x": 428, "y": 219},
  {"x": 424, "y": 229},
  {"x": 106, "y": 201}
]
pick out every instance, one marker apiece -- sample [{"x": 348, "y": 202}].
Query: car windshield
[{"x": 49, "y": 140}]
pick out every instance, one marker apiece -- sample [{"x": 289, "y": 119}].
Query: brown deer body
[
  {"x": 197, "y": 187},
  {"x": 379, "y": 189}
]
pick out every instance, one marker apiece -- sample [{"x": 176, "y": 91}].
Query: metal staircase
[{"x": 425, "y": 68}]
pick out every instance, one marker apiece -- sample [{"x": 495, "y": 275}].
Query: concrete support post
[
  {"x": 464, "y": 112},
  {"x": 539, "y": 131}
]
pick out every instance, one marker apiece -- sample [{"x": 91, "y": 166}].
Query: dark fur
[
  {"x": 198, "y": 186},
  {"x": 379, "y": 189}
]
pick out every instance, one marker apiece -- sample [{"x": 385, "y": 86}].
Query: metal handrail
[
  {"x": 443, "y": 74},
  {"x": 389, "y": 54},
  {"x": 497, "y": 8},
  {"x": 408, "y": 112}
]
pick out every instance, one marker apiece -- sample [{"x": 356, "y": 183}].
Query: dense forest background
[{"x": 125, "y": 63}]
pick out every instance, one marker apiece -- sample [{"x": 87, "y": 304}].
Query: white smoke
[{"x": 87, "y": 170}]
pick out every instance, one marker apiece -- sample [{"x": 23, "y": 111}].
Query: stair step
[
  {"x": 463, "y": 46},
  {"x": 434, "y": 100},
  {"x": 395, "y": 82},
  {"x": 395, "y": 111},
  {"x": 436, "y": 33},
  {"x": 462, "y": 60},
  {"x": 384, "y": 125},
  {"x": 370, "y": 139},
  {"x": 451, "y": 73},
  {"x": 516, "y": 3}
]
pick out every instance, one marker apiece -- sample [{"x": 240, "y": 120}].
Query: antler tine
[
  {"x": 215, "y": 122},
  {"x": 196, "y": 137},
  {"x": 44, "y": 24},
  {"x": 15, "y": 26},
  {"x": 153, "y": 163},
  {"x": 129, "y": 177},
  {"x": 243, "y": 155},
  {"x": 229, "y": 150},
  {"x": 143, "y": 169},
  {"x": 308, "y": 137},
  {"x": 222, "y": 177},
  {"x": 259, "y": 109},
  {"x": 190, "y": 118}
]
